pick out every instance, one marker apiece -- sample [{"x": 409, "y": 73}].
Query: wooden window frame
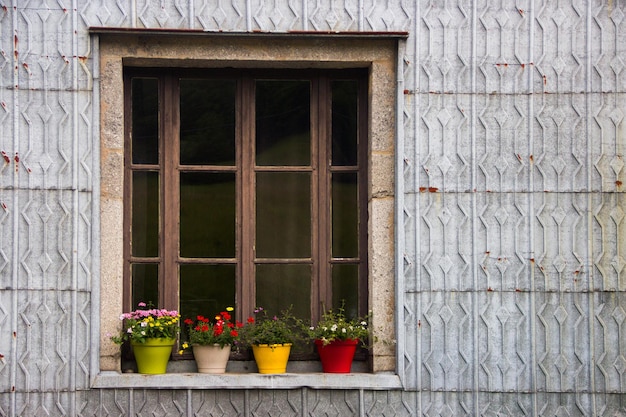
[{"x": 320, "y": 167}]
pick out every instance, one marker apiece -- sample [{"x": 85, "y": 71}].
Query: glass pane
[
  {"x": 145, "y": 120},
  {"x": 345, "y": 215},
  {"x": 283, "y": 128},
  {"x": 345, "y": 122},
  {"x": 206, "y": 289},
  {"x": 283, "y": 215},
  {"x": 207, "y": 215},
  {"x": 145, "y": 284},
  {"x": 207, "y": 122},
  {"x": 346, "y": 288},
  {"x": 280, "y": 286},
  {"x": 145, "y": 215}
]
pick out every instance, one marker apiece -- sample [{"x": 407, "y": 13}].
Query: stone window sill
[{"x": 380, "y": 381}]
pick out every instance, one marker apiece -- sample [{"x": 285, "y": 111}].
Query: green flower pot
[{"x": 153, "y": 355}]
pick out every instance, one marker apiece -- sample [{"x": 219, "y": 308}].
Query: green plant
[
  {"x": 263, "y": 329},
  {"x": 222, "y": 332},
  {"x": 334, "y": 325},
  {"x": 145, "y": 323}
]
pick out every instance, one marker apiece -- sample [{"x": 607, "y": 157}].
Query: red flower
[
  {"x": 188, "y": 321},
  {"x": 250, "y": 320},
  {"x": 234, "y": 333},
  {"x": 225, "y": 315},
  {"x": 239, "y": 325},
  {"x": 205, "y": 328}
]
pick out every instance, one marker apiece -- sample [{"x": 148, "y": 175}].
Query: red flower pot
[{"x": 337, "y": 356}]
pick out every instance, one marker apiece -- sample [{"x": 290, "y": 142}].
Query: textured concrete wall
[{"x": 510, "y": 226}]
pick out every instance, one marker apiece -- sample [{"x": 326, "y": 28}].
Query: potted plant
[
  {"x": 271, "y": 338},
  {"x": 211, "y": 342},
  {"x": 152, "y": 332},
  {"x": 336, "y": 338}
]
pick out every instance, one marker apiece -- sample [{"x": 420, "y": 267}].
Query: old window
[
  {"x": 367, "y": 62},
  {"x": 246, "y": 187}
]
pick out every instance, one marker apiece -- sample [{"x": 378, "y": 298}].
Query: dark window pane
[
  {"x": 345, "y": 122},
  {"x": 280, "y": 286},
  {"x": 145, "y": 213},
  {"x": 283, "y": 217},
  {"x": 206, "y": 289},
  {"x": 207, "y": 215},
  {"x": 283, "y": 128},
  {"x": 207, "y": 122},
  {"x": 345, "y": 240},
  {"x": 345, "y": 288},
  {"x": 145, "y": 121},
  {"x": 145, "y": 284}
]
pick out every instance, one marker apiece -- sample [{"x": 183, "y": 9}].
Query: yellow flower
[{"x": 229, "y": 309}]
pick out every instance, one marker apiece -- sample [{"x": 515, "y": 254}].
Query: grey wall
[{"x": 510, "y": 218}]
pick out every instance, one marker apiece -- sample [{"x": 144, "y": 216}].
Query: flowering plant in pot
[
  {"x": 148, "y": 323},
  {"x": 211, "y": 342},
  {"x": 151, "y": 332},
  {"x": 336, "y": 338},
  {"x": 271, "y": 337}
]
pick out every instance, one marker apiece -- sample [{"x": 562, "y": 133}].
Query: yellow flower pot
[
  {"x": 271, "y": 359},
  {"x": 153, "y": 355}
]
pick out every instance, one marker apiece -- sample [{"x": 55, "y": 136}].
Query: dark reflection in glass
[
  {"x": 145, "y": 121},
  {"x": 145, "y": 213},
  {"x": 207, "y": 215},
  {"x": 283, "y": 216},
  {"x": 283, "y": 128},
  {"x": 206, "y": 289},
  {"x": 345, "y": 288},
  {"x": 145, "y": 284},
  {"x": 345, "y": 211},
  {"x": 280, "y": 286},
  {"x": 345, "y": 122},
  {"x": 207, "y": 122}
]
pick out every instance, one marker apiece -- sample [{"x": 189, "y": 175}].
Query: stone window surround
[{"x": 378, "y": 52}]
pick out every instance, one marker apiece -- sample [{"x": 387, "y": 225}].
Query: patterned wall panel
[
  {"x": 45, "y": 242},
  {"x": 505, "y": 361},
  {"x": 608, "y": 328},
  {"x": 560, "y": 245},
  {"x": 538, "y": 143},
  {"x": 606, "y": 37},
  {"x": 512, "y": 220},
  {"x": 608, "y": 234},
  {"x": 218, "y": 403}
]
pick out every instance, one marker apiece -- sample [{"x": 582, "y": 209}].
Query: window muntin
[{"x": 258, "y": 193}]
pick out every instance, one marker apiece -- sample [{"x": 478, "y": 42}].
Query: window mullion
[
  {"x": 322, "y": 228},
  {"x": 246, "y": 293},
  {"x": 170, "y": 120}
]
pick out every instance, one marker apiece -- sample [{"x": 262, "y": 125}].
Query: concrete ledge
[{"x": 381, "y": 381}]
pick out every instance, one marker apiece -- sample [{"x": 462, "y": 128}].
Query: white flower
[
  {"x": 334, "y": 327},
  {"x": 143, "y": 333},
  {"x": 129, "y": 330},
  {"x": 144, "y": 324},
  {"x": 343, "y": 330}
]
